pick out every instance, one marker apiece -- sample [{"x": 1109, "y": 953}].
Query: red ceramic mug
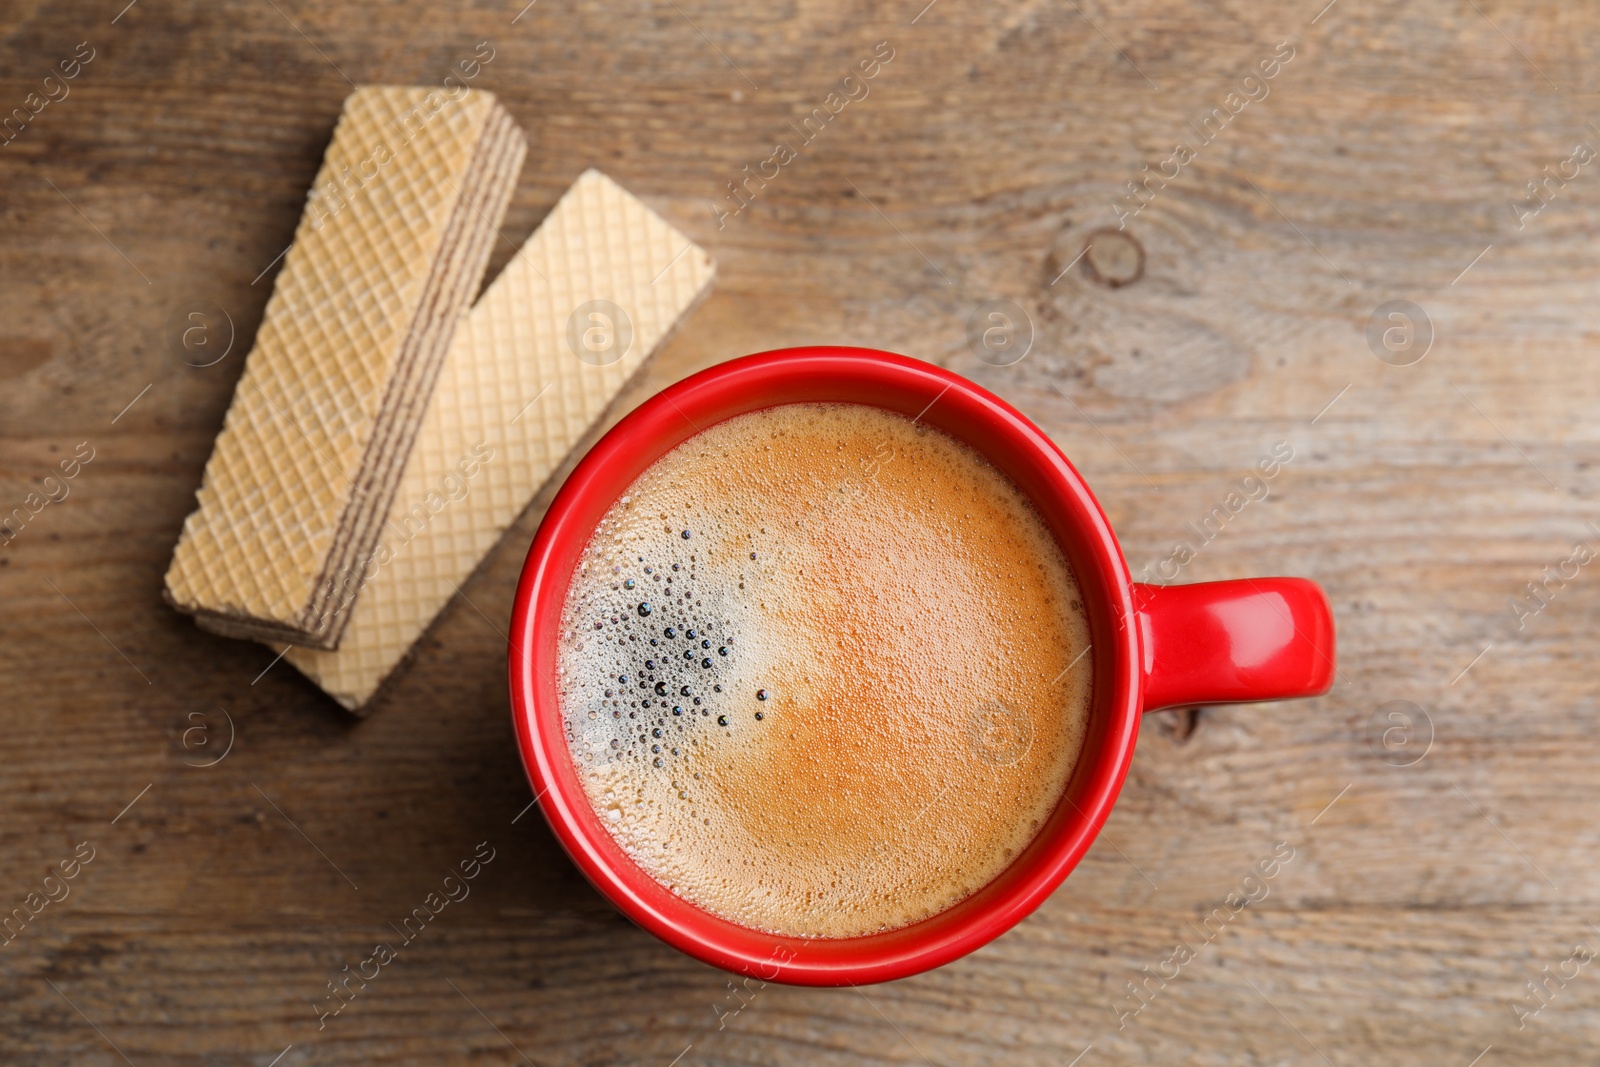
[{"x": 1152, "y": 647}]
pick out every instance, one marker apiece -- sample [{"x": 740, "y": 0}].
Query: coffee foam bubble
[{"x": 811, "y": 670}]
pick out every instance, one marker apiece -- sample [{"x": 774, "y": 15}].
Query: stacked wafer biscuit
[
  {"x": 391, "y": 248},
  {"x": 597, "y": 287},
  {"x": 374, "y": 451}
]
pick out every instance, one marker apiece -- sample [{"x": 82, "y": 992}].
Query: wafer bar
[
  {"x": 389, "y": 252},
  {"x": 513, "y": 398}
]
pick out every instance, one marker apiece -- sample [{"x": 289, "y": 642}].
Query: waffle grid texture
[
  {"x": 510, "y": 402},
  {"x": 390, "y": 237}
]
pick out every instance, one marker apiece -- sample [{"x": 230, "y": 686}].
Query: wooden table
[{"x": 1441, "y": 860}]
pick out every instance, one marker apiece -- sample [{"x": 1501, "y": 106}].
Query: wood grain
[{"x": 1382, "y": 165}]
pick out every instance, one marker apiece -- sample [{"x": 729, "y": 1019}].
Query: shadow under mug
[{"x": 1152, "y": 647}]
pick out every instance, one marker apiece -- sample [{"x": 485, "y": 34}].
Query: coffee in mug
[{"x": 822, "y": 670}]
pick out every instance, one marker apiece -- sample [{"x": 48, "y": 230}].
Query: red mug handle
[{"x": 1233, "y": 642}]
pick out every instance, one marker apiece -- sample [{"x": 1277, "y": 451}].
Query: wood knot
[{"x": 1113, "y": 258}]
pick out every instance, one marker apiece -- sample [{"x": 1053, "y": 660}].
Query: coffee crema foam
[{"x": 814, "y": 671}]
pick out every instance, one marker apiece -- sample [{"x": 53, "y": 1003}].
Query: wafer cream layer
[
  {"x": 604, "y": 277},
  {"x": 391, "y": 247}
]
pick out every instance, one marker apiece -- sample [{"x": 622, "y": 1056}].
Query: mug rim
[{"x": 896, "y": 383}]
